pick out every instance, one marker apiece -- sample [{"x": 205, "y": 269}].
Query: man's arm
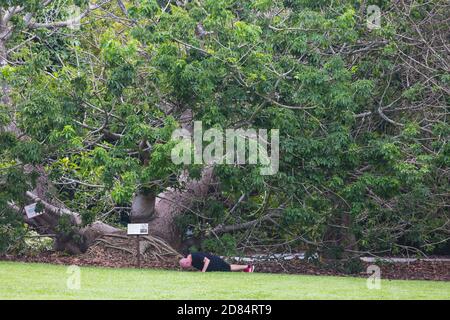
[{"x": 206, "y": 262}]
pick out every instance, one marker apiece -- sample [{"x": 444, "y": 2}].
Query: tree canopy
[{"x": 362, "y": 114}]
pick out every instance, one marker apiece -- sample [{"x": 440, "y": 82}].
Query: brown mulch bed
[
  {"x": 418, "y": 270},
  {"x": 96, "y": 256}
]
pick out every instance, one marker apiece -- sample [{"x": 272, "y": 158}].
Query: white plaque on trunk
[
  {"x": 30, "y": 210},
  {"x": 137, "y": 228}
]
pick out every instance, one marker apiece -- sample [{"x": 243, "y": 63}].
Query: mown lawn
[{"x": 41, "y": 281}]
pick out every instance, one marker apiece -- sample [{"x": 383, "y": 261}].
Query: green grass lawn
[{"x": 41, "y": 281}]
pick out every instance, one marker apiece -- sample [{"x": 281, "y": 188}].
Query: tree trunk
[
  {"x": 142, "y": 208},
  {"x": 71, "y": 235},
  {"x": 161, "y": 211},
  {"x": 348, "y": 238},
  {"x": 172, "y": 203}
]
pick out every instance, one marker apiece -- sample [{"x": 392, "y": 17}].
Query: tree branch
[
  {"x": 240, "y": 226},
  {"x": 61, "y": 24},
  {"x": 53, "y": 209}
]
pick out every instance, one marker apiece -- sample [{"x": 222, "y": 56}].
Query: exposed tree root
[
  {"x": 120, "y": 248},
  {"x": 151, "y": 248}
]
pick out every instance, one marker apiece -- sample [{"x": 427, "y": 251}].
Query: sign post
[
  {"x": 138, "y": 229},
  {"x": 138, "y": 250}
]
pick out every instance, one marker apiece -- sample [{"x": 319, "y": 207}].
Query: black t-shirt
[{"x": 215, "y": 264}]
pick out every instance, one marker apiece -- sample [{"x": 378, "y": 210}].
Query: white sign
[
  {"x": 137, "y": 228},
  {"x": 31, "y": 211}
]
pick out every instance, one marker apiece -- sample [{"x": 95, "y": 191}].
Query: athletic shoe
[{"x": 249, "y": 268}]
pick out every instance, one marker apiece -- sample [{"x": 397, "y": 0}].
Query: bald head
[{"x": 185, "y": 263}]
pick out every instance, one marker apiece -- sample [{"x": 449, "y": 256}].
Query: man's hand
[{"x": 206, "y": 262}]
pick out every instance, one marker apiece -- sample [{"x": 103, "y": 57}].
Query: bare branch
[
  {"x": 53, "y": 209},
  {"x": 69, "y": 22},
  {"x": 122, "y": 7},
  {"x": 241, "y": 226}
]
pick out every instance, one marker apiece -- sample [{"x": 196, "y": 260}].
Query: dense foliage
[{"x": 364, "y": 160}]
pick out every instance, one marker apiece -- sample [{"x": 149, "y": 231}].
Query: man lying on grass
[{"x": 209, "y": 263}]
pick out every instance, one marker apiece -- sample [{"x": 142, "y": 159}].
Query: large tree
[{"x": 362, "y": 115}]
